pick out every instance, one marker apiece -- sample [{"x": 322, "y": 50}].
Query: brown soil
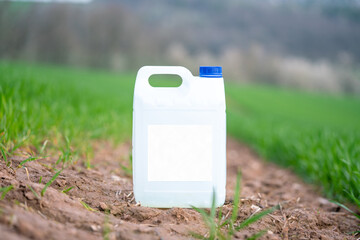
[{"x": 107, "y": 190}]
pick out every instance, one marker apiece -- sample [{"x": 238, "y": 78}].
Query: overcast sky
[{"x": 68, "y": 1}]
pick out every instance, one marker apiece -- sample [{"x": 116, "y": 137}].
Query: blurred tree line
[
  {"x": 94, "y": 35},
  {"x": 254, "y": 40}
]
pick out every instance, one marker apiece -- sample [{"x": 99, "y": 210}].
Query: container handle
[{"x": 144, "y": 73}]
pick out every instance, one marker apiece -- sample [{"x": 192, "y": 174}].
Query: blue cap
[{"x": 210, "y": 72}]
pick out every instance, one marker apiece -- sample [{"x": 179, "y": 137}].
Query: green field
[
  {"x": 41, "y": 103},
  {"x": 316, "y": 135}
]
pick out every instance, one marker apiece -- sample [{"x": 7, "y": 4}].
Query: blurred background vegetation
[
  {"x": 291, "y": 67},
  {"x": 298, "y": 43}
]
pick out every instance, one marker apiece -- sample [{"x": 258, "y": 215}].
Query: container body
[{"x": 179, "y": 140}]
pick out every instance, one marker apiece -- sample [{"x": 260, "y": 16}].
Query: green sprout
[
  {"x": 217, "y": 225},
  {"x": 5, "y": 190},
  {"x": 50, "y": 182}
]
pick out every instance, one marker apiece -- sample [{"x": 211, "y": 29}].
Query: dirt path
[{"x": 106, "y": 188}]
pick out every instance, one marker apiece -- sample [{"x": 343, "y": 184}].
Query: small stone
[
  {"x": 323, "y": 237},
  {"x": 103, "y": 206},
  {"x": 95, "y": 228},
  {"x": 255, "y": 208},
  {"x": 324, "y": 201},
  {"x": 60, "y": 182},
  {"x": 115, "y": 178},
  {"x": 30, "y": 195}
]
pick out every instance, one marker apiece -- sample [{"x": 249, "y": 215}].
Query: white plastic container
[{"x": 179, "y": 139}]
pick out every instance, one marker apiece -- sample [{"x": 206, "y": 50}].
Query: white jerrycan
[{"x": 179, "y": 139}]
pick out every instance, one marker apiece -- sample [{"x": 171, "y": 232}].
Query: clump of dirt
[{"x": 101, "y": 202}]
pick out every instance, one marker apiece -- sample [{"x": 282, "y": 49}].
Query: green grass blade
[
  {"x": 220, "y": 214},
  {"x": 4, "y": 157},
  {"x": 27, "y": 160},
  {"x": 59, "y": 159},
  {"x": 5, "y": 190},
  {"x": 213, "y": 228},
  {"x": 346, "y": 208},
  {"x": 50, "y": 182},
  {"x": 204, "y": 215},
  {"x": 227, "y": 221},
  {"x": 256, "y": 217},
  {"x": 33, "y": 191},
  {"x": 67, "y": 189},
  {"x": 236, "y": 203},
  {"x": 21, "y": 142},
  {"x": 43, "y": 147},
  {"x": 128, "y": 169},
  {"x": 257, "y": 235},
  {"x": 355, "y": 199},
  {"x": 87, "y": 206},
  {"x": 197, "y": 235},
  {"x": 209, "y": 221},
  {"x": 106, "y": 228}
]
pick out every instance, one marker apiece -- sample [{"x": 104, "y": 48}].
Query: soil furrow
[{"x": 112, "y": 211}]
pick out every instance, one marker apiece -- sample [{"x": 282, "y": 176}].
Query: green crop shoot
[
  {"x": 87, "y": 206},
  {"x": 66, "y": 190},
  {"x": 217, "y": 225},
  {"x": 128, "y": 168},
  {"x": 106, "y": 228},
  {"x": 33, "y": 191},
  {"x": 50, "y": 182},
  {"x": 7, "y": 163},
  {"x": 29, "y": 159},
  {"x": 5, "y": 190}
]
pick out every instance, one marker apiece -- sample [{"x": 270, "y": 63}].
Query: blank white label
[{"x": 180, "y": 152}]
